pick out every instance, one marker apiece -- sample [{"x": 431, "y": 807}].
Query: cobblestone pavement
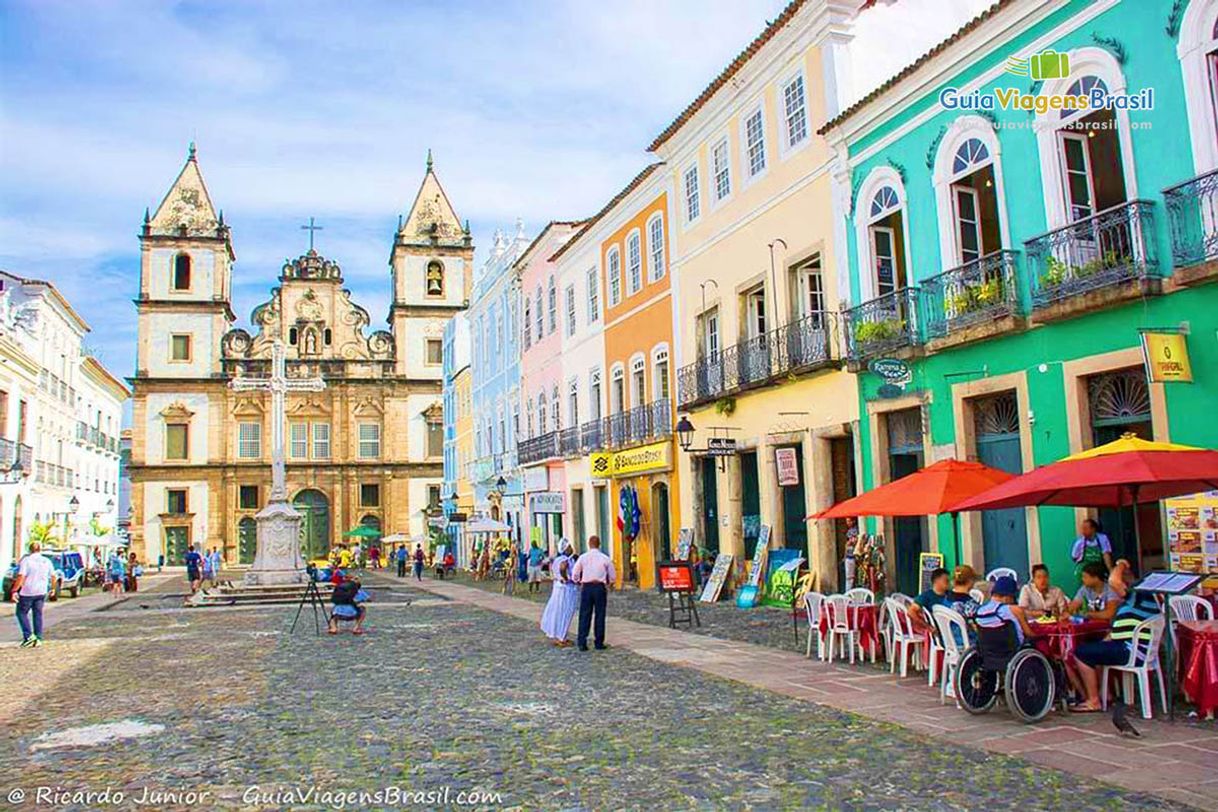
[{"x": 442, "y": 694}]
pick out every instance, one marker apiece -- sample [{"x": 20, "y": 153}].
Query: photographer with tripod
[{"x": 348, "y": 602}]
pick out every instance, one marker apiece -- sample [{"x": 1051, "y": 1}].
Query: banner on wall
[
  {"x": 787, "y": 462},
  {"x": 1192, "y": 535}
]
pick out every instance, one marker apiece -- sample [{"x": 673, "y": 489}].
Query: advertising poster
[
  {"x": 1192, "y": 535},
  {"x": 714, "y": 584}
]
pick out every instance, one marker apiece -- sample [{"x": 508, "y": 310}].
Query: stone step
[{"x": 231, "y": 594}]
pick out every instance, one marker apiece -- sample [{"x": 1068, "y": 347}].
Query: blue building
[
  {"x": 458, "y": 495},
  {"x": 493, "y": 323}
]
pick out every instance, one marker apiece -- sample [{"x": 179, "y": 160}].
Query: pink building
[{"x": 541, "y": 449}]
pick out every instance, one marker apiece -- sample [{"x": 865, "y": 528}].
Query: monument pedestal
[{"x": 277, "y": 559}]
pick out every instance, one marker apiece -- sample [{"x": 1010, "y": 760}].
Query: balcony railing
[
  {"x": 569, "y": 442},
  {"x": 802, "y": 344},
  {"x": 882, "y": 325},
  {"x": 12, "y": 452},
  {"x": 642, "y": 424},
  {"x": 1192, "y": 214},
  {"x": 592, "y": 435},
  {"x": 537, "y": 449},
  {"x": 974, "y": 293},
  {"x": 1102, "y": 251}
]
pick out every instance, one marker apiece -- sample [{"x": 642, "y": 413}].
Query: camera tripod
[{"x": 311, "y": 596}]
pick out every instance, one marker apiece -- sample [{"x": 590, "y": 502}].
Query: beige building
[{"x": 366, "y": 450}]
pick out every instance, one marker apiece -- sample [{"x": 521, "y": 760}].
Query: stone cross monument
[{"x": 277, "y": 560}]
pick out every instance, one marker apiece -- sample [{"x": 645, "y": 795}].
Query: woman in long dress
[{"x": 564, "y": 598}]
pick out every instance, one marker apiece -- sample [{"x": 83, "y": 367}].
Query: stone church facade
[{"x": 366, "y": 450}]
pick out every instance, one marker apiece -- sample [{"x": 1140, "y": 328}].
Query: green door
[
  {"x": 659, "y": 522},
  {"x": 314, "y": 525},
  {"x": 710, "y": 505},
  {"x": 176, "y": 541},
  {"x": 794, "y": 508},
  {"x": 247, "y": 540},
  {"x": 750, "y": 502},
  {"x": 905, "y": 456},
  {"x": 1004, "y": 533}
]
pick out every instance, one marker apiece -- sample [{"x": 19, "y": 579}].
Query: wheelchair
[{"x": 1029, "y": 681}]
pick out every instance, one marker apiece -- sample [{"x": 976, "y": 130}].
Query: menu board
[
  {"x": 1192, "y": 535},
  {"x": 927, "y": 563},
  {"x": 714, "y": 584}
]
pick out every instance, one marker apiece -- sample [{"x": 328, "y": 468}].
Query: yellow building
[
  {"x": 756, "y": 296},
  {"x": 464, "y": 430}
]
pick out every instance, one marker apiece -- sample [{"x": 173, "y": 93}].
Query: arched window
[
  {"x": 655, "y": 247},
  {"x": 1198, "y": 52},
  {"x": 613, "y": 268},
  {"x": 538, "y": 314},
  {"x": 555, "y": 408},
  {"x": 541, "y": 415},
  {"x": 886, "y": 240},
  {"x": 968, "y": 193},
  {"x": 972, "y": 153},
  {"x": 659, "y": 366},
  {"x": 638, "y": 381},
  {"x": 181, "y": 272},
  {"x": 617, "y": 389},
  {"x": 634, "y": 263},
  {"x": 328, "y": 336},
  {"x": 293, "y": 336},
  {"x": 884, "y": 201},
  {"x": 435, "y": 278}
]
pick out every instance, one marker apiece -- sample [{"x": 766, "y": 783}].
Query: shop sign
[
  {"x": 1166, "y": 356},
  {"x": 548, "y": 502},
  {"x": 721, "y": 446},
  {"x": 895, "y": 375},
  {"x": 457, "y": 518},
  {"x": 787, "y": 462},
  {"x": 536, "y": 479},
  {"x": 641, "y": 460}
]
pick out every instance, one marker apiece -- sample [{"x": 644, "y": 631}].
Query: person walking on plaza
[
  {"x": 564, "y": 598},
  {"x": 595, "y": 575},
  {"x": 217, "y": 562},
  {"x": 208, "y": 574},
  {"x": 419, "y": 559},
  {"x": 509, "y": 571},
  {"x": 194, "y": 568},
  {"x": 132, "y": 584},
  {"x": 30, "y": 593},
  {"x": 401, "y": 556},
  {"x": 536, "y": 556},
  {"x": 114, "y": 573}
]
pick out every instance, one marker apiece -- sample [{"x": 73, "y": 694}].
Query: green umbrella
[{"x": 363, "y": 532}]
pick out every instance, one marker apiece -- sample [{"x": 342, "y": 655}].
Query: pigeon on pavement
[{"x": 1121, "y": 723}]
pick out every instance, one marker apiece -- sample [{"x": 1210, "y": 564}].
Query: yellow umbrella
[{"x": 1126, "y": 444}]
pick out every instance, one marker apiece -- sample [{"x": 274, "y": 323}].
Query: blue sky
[{"x": 534, "y": 110}]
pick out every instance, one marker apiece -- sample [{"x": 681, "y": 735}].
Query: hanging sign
[
  {"x": 1166, "y": 357},
  {"x": 721, "y": 446},
  {"x": 787, "y": 462}
]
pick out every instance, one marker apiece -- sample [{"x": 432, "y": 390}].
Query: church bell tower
[{"x": 432, "y": 267}]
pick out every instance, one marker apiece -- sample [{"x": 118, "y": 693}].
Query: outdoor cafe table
[
  {"x": 1199, "y": 663},
  {"x": 1057, "y": 640},
  {"x": 863, "y": 618}
]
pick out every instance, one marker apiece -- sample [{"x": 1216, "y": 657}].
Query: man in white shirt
[
  {"x": 595, "y": 575},
  {"x": 30, "y": 592}
]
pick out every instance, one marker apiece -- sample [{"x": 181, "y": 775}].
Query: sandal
[{"x": 1086, "y": 709}]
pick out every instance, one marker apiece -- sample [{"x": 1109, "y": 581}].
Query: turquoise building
[{"x": 1002, "y": 260}]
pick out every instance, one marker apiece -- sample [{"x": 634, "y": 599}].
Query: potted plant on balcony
[
  {"x": 973, "y": 298},
  {"x": 870, "y": 332}
]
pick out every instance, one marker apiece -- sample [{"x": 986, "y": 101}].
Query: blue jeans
[{"x": 26, "y": 603}]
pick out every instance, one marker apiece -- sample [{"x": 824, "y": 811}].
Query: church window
[
  {"x": 435, "y": 437},
  {"x": 247, "y": 497},
  {"x": 181, "y": 272},
  {"x": 369, "y": 440},
  {"x": 328, "y": 336},
  {"x": 179, "y": 347},
  {"x": 293, "y": 336},
  {"x": 176, "y": 441},
  {"x": 298, "y": 441},
  {"x": 435, "y": 278},
  {"x": 249, "y": 440},
  {"x": 369, "y": 494},
  {"x": 321, "y": 441},
  {"x": 175, "y": 501},
  {"x": 435, "y": 351}
]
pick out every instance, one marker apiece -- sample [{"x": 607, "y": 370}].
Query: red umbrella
[
  {"x": 936, "y": 489},
  {"x": 1124, "y": 472}
]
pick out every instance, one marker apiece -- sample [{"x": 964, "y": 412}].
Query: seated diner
[
  {"x": 1095, "y": 599},
  {"x": 934, "y": 595},
  {"x": 1039, "y": 598},
  {"x": 1001, "y": 610}
]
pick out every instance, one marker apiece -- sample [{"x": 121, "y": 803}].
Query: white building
[{"x": 60, "y": 412}]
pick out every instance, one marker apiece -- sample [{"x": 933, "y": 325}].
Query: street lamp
[
  {"x": 685, "y": 432},
  {"x": 73, "y": 504},
  {"x": 501, "y": 485}
]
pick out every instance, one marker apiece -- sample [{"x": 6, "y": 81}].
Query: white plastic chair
[
  {"x": 813, "y": 604},
  {"x": 839, "y": 625},
  {"x": 1143, "y": 659},
  {"x": 977, "y": 595},
  {"x": 904, "y": 641},
  {"x": 1187, "y": 607},
  {"x": 860, "y": 595},
  {"x": 950, "y": 622},
  {"x": 994, "y": 574}
]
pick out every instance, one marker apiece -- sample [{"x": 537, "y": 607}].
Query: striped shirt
[{"x": 1138, "y": 606}]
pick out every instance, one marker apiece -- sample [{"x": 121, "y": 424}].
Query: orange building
[{"x": 636, "y": 279}]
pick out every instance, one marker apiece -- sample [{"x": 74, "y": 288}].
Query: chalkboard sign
[
  {"x": 714, "y": 584},
  {"x": 927, "y": 563},
  {"x": 685, "y": 542}
]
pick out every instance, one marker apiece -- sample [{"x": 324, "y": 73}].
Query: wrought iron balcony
[
  {"x": 642, "y": 424},
  {"x": 12, "y": 453},
  {"x": 1105, "y": 250},
  {"x": 1192, "y": 214},
  {"x": 569, "y": 442},
  {"x": 977, "y": 292},
  {"x": 537, "y": 449},
  {"x": 800, "y": 345},
  {"x": 592, "y": 435},
  {"x": 882, "y": 325}
]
